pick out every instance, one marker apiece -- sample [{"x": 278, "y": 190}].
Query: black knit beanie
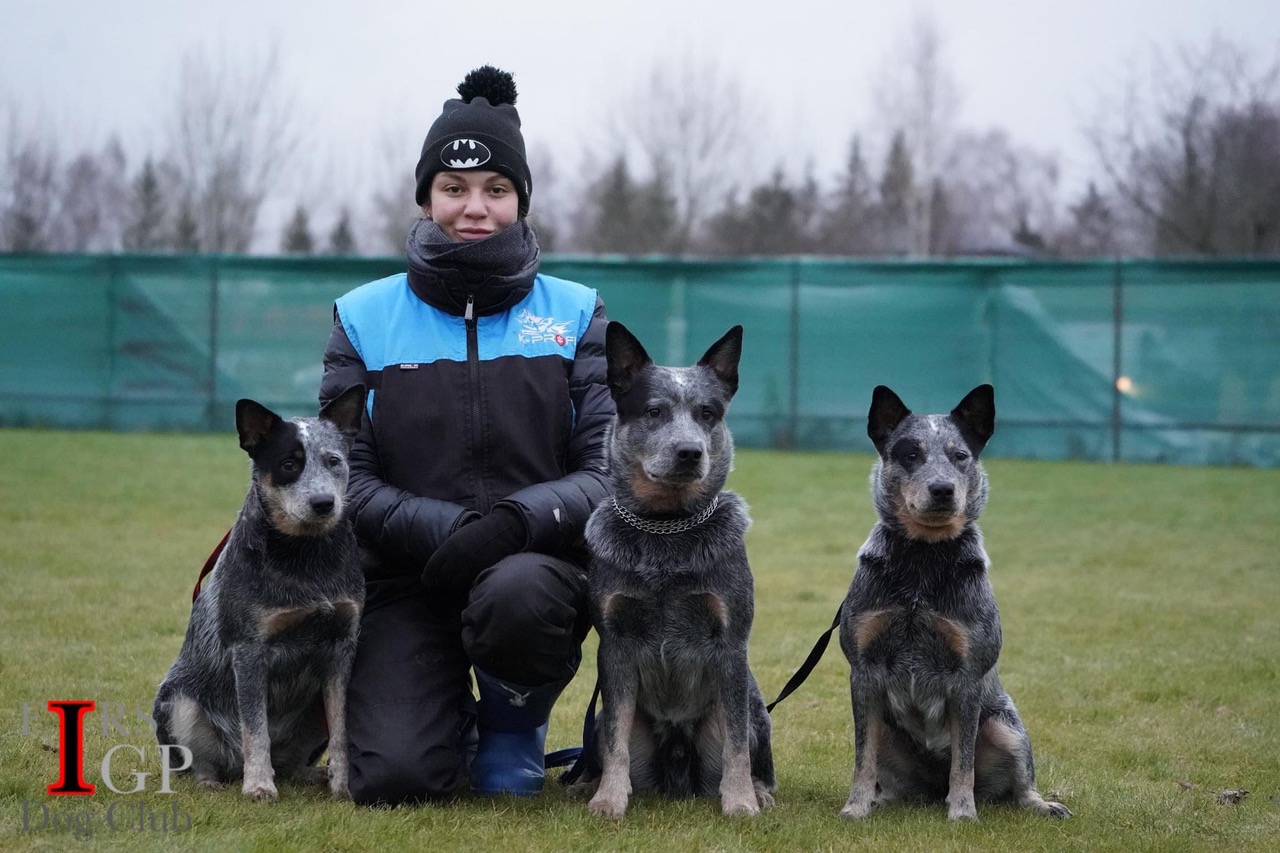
[{"x": 479, "y": 131}]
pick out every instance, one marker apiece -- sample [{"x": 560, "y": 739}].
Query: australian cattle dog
[
  {"x": 671, "y": 592},
  {"x": 260, "y": 682},
  {"x": 921, "y": 628}
]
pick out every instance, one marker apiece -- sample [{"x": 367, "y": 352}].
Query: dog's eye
[
  {"x": 334, "y": 461},
  {"x": 654, "y": 412},
  {"x": 288, "y": 466},
  {"x": 911, "y": 457},
  {"x": 708, "y": 415},
  {"x": 961, "y": 455}
]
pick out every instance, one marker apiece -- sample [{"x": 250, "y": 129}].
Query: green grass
[{"x": 1141, "y": 610}]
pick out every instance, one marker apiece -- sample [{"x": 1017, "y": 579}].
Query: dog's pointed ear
[
  {"x": 254, "y": 422},
  {"x": 887, "y": 412},
  {"x": 976, "y": 417},
  {"x": 625, "y": 357},
  {"x": 345, "y": 410},
  {"x": 723, "y": 357}
]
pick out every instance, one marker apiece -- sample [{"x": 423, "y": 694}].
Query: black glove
[{"x": 474, "y": 547}]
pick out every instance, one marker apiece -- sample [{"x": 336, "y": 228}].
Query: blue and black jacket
[{"x": 469, "y": 408}]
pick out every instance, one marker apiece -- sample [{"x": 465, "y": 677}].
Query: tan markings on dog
[
  {"x": 280, "y": 620},
  {"x": 954, "y": 634},
  {"x": 930, "y": 531},
  {"x": 190, "y": 727},
  {"x": 870, "y": 624},
  {"x": 715, "y": 604},
  {"x": 663, "y": 498},
  {"x": 345, "y": 608},
  {"x": 999, "y": 734},
  {"x": 611, "y": 603},
  {"x": 996, "y": 752}
]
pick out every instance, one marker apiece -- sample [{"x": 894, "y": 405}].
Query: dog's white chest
[{"x": 921, "y": 712}]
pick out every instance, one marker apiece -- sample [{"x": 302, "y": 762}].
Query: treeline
[{"x": 1187, "y": 164}]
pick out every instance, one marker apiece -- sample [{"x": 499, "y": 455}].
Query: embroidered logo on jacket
[
  {"x": 464, "y": 154},
  {"x": 535, "y": 329}
]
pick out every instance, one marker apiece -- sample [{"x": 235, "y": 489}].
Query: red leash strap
[{"x": 209, "y": 564}]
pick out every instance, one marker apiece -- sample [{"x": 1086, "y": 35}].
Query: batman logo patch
[{"x": 464, "y": 154}]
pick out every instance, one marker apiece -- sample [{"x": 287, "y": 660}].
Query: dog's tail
[{"x": 676, "y": 757}]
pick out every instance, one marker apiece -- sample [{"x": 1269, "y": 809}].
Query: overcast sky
[{"x": 366, "y": 72}]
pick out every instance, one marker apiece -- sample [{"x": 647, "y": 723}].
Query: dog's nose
[
  {"x": 322, "y": 504},
  {"x": 941, "y": 491},
  {"x": 689, "y": 452}
]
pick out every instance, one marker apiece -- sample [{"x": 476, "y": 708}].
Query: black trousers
[{"x": 409, "y": 704}]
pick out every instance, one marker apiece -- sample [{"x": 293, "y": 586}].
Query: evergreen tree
[
  {"x": 626, "y": 217},
  {"x": 611, "y": 211},
  {"x": 297, "y": 234},
  {"x": 773, "y": 221},
  {"x": 897, "y": 191},
  {"x": 144, "y": 231},
  {"x": 1092, "y": 233},
  {"x": 186, "y": 230},
  {"x": 846, "y": 225},
  {"x": 341, "y": 240}
]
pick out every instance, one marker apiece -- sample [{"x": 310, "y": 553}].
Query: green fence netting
[{"x": 1136, "y": 360}]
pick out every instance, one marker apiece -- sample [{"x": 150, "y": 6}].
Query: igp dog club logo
[
  {"x": 80, "y": 817},
  {"x": 535, "y": 329}
]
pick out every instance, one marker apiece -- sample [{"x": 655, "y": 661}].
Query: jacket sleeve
[
  {"x": 403, "y": 528},
  {"x": 557, "y": 511}
]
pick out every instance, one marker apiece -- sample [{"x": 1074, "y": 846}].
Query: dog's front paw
[
  {"x": 260, "y": 790},
  {"x": 764, "y": 797},
  {"x": 339, "y": 789},
  {"x": 961, "y": 808},
  {"x": 732, "y": 806},
  {"x": 209, "y": 783},
  {"x": 606, "y": 806},
  {"x": 856, "y": 809},
  {"x": 1057, "y": 810}
]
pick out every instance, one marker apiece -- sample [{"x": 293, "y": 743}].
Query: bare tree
[
  {"x": 1193, "y": 149},
  {"x": 232, "y": 133},
  {"x": 689, "y": 121},
  {"x": 917, "y": 96},
  {"x": 146, "y": 212},
  {"x": 1001, "y": 196},
  {"x": 393, "y": 208},
  {"x": 29, "y": 185},
  {"x": 94, "y": 197}
]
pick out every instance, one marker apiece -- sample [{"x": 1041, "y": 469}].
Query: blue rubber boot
[{"x": 512, "y": 723}]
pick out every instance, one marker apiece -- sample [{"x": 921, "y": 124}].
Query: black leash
[
  {"x": 588, "y": 733},
  {"x": 578, "y": 755},
  {"x": 809, "y": 663}
]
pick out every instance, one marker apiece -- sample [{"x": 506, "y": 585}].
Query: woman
[{"x": 473, "y": 475}]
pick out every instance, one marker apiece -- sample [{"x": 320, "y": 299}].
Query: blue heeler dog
[
  {"x": 260, "y": 682},
  {"x": 921, "y": 628},
  {"x": 671, "y": 592}
]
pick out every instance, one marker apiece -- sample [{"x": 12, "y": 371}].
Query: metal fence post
[
  {"x": 1117, "y": 322},
  {"x": 793, "y": 359},
  {"x": 211, "y": 404}
]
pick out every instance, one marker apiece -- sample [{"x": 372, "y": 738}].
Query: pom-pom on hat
[{"x": 478, "y": 130}]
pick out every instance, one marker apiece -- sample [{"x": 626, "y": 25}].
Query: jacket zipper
[{"x": 473, "y": 365}]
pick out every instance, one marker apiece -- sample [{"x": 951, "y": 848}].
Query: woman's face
[{"x": 471, "y": 205}]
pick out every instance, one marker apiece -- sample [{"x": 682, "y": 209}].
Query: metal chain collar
[{"x": 665, "y": 526}]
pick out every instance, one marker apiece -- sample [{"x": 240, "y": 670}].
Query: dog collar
[{"x": 664, "y": 527}]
